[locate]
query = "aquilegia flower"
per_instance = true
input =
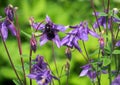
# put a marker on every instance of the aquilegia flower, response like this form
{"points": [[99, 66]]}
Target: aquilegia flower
{"points": [[102, 20], [40, 72], [116, 81], [88, 71], [7, 23], [49, 30], [79, 32]]}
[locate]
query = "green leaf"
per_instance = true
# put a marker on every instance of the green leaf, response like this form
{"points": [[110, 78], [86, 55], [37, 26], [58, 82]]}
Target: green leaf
{"points": [[26, 34], [17, 82], [116, 52], [103, 14], [107, 50], [24, 55], [116, 16], [94, 53], [106, 61], [19, 68]]}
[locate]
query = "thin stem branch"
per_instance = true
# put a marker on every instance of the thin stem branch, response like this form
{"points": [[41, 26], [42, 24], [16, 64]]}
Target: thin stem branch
{"points": [[84, 57], [117, 33], [103, 4], [108, 6], [112, 39], [53, 55], [30, 64], [20, 47], [11, 62], [92, 4], [85, 50]]}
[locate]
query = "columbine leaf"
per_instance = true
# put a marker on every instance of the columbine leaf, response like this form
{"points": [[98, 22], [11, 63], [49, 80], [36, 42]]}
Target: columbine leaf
{"points": [[17, 82], [106, 61], [116, 16], [116, 52], [26, 34], [103, 14], [94, 53], [107, 50]]}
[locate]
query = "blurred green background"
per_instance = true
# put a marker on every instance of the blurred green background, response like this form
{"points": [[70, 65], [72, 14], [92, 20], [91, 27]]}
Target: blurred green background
{"points": [[66, 12]]}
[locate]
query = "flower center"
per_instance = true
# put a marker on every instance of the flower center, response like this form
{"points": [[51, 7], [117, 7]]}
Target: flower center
{"points": [[49, 31]]}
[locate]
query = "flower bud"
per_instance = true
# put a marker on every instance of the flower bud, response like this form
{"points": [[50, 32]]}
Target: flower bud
{"points": [[115, 10], [33, 43], [101, 42], [68, 53]]}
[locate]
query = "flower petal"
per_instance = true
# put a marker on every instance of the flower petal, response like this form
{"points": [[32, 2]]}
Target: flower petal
{"points": [[94, 34], [4, 31], [43, 39], [38, 26], [84, 72], [11, 27], [118, 44], [69, 43], [83, 34], [57, 41], [92, 74], [75, 44], [48, 20], [61, 28], [115, 19], [64, 40], [32, 76]]}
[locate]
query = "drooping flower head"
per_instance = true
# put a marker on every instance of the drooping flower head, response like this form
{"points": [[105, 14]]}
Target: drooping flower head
{"points": [[39, 65], [79, 32], [88, 71], [40, 72], [9, 11], [49, 30], [7, 23], [102, 21]]}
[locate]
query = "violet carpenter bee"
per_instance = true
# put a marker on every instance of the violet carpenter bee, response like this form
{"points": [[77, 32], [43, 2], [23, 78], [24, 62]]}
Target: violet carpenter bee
{"points": [[49, 31]]}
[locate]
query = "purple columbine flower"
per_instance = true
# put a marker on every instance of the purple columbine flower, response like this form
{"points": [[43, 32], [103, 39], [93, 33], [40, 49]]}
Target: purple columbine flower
{"points": [[9, 11], [116, 81], [49, 30], [88, 71], [39, 65], [102, 21], [79, 32], [42, 78], [8, 24], [40, 72], [118, 44]]}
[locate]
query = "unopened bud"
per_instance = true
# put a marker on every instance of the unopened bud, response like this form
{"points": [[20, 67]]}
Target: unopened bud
{"points": [[115, 10], [67, 67], [101, 42], [68, 53], [33, 43], [31, 20]]}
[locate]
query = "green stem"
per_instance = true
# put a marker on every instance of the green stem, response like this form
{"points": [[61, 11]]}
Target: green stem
{"points": [[85, 50], [30, 59], [10, 59], [20, 47], [92, 4], [53, 55]]}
